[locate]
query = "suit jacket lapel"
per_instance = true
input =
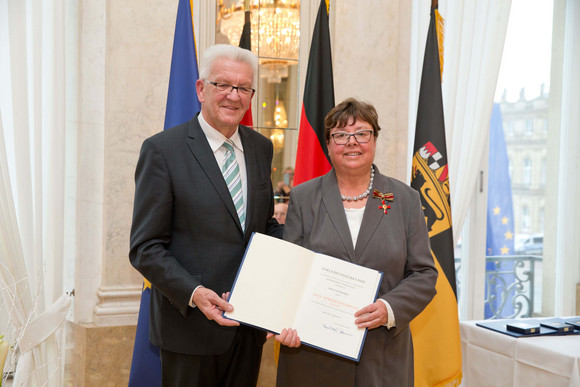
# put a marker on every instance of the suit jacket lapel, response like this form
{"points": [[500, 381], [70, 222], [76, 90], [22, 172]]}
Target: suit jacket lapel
{"points": [[251, 162], [200, 149], [335, 209], [372, 215]]}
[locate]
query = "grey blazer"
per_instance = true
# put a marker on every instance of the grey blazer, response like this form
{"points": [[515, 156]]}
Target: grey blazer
{"points": [[395, 243], [186, 231]]}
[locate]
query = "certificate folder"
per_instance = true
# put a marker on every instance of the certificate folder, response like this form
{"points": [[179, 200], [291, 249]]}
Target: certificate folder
{"points": [[282, 285]]}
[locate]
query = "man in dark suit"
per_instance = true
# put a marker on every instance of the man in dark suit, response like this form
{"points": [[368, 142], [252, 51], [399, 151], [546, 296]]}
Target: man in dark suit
{"points": [[190, 230]]}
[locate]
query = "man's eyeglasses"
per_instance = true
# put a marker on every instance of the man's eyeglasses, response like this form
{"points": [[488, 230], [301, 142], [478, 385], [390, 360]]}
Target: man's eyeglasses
{"points": [[227, 89], [342, 138]]}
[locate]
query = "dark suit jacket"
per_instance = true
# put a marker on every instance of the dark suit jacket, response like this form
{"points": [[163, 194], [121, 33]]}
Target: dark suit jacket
{"points": [[186, 231], [395, 243]]}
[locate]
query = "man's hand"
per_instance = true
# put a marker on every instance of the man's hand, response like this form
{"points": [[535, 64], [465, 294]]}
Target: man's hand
{"points": [[212, 306]]}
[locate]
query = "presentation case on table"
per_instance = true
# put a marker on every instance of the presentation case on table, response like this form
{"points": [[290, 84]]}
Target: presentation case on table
{"points": [[534, 327]]}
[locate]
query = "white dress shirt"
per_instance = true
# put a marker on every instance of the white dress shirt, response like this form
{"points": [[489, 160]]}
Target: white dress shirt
{"points": [[216, 139]]}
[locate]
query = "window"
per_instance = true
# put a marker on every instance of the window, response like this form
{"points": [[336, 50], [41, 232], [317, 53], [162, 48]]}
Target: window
{"points": [[543, 173], [509, 128], [525, 219], [527, 172], [529, 127], [519, 126], [549, 163]]}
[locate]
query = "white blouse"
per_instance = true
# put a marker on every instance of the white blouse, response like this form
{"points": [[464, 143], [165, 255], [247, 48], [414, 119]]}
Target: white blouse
{"points": [[354, 218]]}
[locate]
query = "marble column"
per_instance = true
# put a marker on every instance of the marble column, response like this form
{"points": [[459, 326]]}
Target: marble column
{"points": [[371, 47], [124, 54]]}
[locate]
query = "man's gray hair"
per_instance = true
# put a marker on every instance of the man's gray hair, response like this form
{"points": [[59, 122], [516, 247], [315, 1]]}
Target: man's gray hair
{"points": [[230, 52]]}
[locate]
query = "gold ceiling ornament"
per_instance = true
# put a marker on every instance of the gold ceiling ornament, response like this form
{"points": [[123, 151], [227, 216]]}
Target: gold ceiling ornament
{"points": [[275, 26]]}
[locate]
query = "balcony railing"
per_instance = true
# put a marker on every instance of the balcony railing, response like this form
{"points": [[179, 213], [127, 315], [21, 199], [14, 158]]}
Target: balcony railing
{"points": [[511, 283]]}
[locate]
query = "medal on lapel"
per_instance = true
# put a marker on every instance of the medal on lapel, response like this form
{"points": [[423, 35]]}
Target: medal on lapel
{"points": [[385, 197]]}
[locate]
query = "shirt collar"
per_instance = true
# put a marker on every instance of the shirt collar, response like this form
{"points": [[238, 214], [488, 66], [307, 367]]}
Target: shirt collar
{"points": [[215, 138]]}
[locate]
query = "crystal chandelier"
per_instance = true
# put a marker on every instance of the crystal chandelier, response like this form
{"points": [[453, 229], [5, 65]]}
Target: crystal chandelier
{"points": [[275, 26]]}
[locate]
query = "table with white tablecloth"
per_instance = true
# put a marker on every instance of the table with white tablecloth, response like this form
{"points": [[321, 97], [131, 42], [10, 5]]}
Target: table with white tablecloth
{"points": [[494, 359]]}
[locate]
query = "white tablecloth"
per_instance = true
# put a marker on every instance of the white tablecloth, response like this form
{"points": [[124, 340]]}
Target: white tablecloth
{"points": [[495, 359]]}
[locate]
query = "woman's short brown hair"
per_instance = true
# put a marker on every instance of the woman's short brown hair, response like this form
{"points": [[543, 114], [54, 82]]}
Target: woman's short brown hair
{"points": [[349, 111]]}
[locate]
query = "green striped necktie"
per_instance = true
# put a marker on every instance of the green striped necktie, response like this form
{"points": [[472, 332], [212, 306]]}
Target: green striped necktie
{"points": [[231, 172]]}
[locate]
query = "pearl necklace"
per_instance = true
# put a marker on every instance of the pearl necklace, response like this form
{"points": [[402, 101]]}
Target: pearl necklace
{"points": [[364, 194]]}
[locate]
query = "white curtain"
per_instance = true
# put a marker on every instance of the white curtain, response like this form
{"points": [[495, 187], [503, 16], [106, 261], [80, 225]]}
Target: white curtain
{"points": [[32, 185], [474, 38]]}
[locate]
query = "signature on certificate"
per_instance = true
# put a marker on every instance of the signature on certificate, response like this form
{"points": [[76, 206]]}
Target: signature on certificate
{"points": [[335, 329]]}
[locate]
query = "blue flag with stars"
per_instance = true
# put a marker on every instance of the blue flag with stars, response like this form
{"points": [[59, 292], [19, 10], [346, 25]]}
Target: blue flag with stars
{"points": [[500, 225], [182, 106]]}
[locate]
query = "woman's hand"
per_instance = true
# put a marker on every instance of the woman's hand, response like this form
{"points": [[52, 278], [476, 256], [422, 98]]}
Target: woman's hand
{"points": [[288, 337], [372, 316]]}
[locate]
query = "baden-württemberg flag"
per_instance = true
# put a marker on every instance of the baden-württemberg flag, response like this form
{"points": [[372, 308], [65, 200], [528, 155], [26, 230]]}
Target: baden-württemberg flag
{"points": [[182, 105], [436, 340], [312, 155], [500, 225]]}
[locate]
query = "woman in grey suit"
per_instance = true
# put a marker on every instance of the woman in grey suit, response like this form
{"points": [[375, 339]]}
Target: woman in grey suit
{"points": [[357, 214]]}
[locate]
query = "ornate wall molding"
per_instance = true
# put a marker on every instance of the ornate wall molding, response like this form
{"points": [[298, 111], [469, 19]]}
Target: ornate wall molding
{"points": [[118, 305]]}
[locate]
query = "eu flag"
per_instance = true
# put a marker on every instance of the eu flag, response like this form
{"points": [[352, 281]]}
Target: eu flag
{"points": [[146, 362], [182, 102], [182, 105], [500, 225]]}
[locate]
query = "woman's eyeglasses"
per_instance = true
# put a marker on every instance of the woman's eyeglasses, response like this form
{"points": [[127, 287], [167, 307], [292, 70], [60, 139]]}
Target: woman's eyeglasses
{"points": [[342, 138]]}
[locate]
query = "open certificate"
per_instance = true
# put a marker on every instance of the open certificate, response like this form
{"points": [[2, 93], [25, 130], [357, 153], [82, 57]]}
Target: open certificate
{"points": [[282, 285]]}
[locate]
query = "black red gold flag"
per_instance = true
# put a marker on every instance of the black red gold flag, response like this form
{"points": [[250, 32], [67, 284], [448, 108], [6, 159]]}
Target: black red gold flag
{"points": [[312, 154], [436, 340], [246, 42]]}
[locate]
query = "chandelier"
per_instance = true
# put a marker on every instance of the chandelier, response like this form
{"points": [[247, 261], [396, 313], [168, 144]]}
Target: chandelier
{"points": [[275, 32]]}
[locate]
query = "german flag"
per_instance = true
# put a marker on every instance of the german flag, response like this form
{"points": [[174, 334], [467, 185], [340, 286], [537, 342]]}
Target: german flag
{"points": [[312, 155], [246, 42], [437, 326]]}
